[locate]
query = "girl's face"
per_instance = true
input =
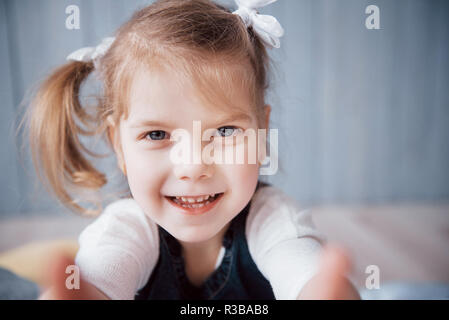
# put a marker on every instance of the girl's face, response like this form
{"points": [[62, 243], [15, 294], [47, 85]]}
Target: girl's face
{"points": [[158, 106]]}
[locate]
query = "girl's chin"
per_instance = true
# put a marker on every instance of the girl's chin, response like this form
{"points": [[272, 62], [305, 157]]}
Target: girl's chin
{"points": [[194, 234]]}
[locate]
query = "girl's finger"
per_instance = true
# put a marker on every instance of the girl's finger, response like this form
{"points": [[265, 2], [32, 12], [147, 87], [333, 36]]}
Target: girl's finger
{"points": [[64, 279], [334, 267]]}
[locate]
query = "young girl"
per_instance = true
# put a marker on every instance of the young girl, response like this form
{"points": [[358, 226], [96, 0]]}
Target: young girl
{"points": [[190, 230]]}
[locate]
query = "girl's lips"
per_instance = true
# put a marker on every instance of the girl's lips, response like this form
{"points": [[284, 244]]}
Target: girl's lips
{"points": [[196, 211]]}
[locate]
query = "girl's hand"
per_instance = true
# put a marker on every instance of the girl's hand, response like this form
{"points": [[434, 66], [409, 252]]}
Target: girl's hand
{"points": [[330, 282], [56, 283]]}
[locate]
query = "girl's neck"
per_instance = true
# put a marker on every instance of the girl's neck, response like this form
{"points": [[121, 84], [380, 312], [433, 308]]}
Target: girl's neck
{"points": [[211, 245], [200, 257]]}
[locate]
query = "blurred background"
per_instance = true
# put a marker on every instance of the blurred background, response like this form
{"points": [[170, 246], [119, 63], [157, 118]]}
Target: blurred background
{"points": [[363, 119]]}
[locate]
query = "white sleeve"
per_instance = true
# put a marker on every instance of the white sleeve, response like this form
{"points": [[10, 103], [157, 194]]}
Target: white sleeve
{"points": [[282, 241], [119, 250]]}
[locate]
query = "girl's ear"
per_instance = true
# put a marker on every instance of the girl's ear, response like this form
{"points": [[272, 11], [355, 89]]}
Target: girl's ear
{"points": [[113, 138], [111, 131], [267, 109], [267, 112]]}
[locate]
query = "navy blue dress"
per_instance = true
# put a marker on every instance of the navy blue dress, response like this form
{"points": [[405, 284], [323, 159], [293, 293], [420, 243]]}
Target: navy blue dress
{"points": [[237, 277]]}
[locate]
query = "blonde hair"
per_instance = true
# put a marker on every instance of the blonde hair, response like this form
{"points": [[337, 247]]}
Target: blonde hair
{"points": [[196, 39]]}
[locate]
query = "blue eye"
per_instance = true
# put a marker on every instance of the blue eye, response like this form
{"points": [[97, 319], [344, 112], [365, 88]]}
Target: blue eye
{"points": [[156, 135], [227, 131]]}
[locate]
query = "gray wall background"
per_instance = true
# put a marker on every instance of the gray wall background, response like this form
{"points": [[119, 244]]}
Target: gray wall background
{"points": [[363, 114]]}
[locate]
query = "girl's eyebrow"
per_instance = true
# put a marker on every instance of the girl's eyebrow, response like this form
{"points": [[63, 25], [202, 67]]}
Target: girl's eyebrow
{"points": [[149, 123], [155, 123], [235, 117]]}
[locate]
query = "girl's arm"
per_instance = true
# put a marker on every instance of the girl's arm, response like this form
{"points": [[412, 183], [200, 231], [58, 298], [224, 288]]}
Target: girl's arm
{"points": [[119, 250], [117, 254], [286, 247]]}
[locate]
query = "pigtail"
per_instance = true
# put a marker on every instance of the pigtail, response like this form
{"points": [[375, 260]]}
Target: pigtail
{"points": [[58, 155]]}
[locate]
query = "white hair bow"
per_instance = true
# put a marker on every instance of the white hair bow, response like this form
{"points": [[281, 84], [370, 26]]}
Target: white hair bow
{"points": [[92, 53], [267, 27]]}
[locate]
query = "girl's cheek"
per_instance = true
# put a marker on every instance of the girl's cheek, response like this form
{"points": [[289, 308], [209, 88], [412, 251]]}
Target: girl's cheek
{"points": [[145, 172], [242, 179]]}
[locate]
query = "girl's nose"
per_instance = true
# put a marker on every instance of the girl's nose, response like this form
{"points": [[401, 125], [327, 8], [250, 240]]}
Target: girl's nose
{"points": [[193, 172]]}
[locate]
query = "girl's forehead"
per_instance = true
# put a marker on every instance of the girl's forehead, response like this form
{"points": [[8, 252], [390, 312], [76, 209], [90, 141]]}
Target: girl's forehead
{"points": [[163, 92]]}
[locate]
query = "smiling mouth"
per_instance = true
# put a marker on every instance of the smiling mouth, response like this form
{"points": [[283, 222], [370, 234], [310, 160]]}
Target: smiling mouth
{"points": [[195, 205]]}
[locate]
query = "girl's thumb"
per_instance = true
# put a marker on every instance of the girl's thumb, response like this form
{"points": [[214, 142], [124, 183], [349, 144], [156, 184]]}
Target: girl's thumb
{"points": [[62, 276]]}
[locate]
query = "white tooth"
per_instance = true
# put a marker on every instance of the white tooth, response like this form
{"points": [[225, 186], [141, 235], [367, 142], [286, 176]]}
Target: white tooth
{"points": [[207, 202], [183, 199], [212, 195], [194, 205], [200, 205], [191, 200], [200, 199], [206, 197]]}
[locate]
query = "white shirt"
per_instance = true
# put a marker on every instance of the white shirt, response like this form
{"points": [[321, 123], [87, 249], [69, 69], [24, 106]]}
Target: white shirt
{"points": [[120, 249]]}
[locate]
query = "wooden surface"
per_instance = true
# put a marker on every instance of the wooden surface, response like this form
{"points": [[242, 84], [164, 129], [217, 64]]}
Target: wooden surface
{"points": [[408, 243]]}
